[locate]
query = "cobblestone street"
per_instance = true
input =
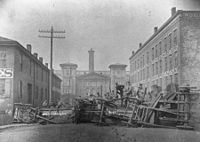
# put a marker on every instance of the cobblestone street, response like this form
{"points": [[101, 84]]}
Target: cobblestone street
{"points": [[91, 133]]}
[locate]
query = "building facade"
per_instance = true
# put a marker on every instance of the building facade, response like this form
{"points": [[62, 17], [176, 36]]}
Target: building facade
{"points": [[170, 55], [69, 78], [91, 81], [118, 75], [23, 79]]}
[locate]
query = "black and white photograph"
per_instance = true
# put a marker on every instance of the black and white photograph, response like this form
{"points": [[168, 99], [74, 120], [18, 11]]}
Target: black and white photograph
{"points": [[99, 70]]}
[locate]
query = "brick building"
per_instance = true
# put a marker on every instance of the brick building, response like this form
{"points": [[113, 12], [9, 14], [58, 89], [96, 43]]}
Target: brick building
{"points": [[23, 78], [171, 54]]}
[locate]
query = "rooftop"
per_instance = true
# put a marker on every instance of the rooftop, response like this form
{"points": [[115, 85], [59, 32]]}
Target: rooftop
{"points": [[68, 64], [117, 65], [91, 75], [160, 29], [5, 39]]}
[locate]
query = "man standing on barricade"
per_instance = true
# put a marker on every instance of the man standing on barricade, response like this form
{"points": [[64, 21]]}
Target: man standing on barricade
{"points": [[119, 92], [140, 92], [128, 92]]}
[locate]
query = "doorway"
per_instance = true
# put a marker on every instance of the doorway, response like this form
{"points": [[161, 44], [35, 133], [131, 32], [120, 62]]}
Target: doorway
{"points": [[29, 93]]}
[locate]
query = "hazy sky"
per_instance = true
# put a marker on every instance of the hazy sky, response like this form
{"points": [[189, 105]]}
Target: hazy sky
{"points": [[113, 28]]}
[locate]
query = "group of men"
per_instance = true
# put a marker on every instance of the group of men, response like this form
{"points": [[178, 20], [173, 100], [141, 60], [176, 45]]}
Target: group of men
{"points": [[128, 91], [124, 91]]}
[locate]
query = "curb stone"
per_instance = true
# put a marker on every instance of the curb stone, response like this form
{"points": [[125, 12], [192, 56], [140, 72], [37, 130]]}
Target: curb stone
{"points": [[3, 127]]}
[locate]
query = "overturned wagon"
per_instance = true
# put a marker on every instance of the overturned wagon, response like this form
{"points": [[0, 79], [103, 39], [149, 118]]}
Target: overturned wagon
{"points": [[101, 111], [25, 113]]}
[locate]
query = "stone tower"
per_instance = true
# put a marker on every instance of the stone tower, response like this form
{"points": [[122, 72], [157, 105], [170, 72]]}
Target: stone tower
{"points": [[91, 60]]}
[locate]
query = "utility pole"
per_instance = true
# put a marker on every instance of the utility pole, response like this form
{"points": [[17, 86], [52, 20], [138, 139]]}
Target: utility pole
{"points": [[52, 31]]}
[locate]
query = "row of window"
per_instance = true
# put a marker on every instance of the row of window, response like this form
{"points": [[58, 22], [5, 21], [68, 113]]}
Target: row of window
{"points": [[163, 65], [162, 47], [39, 93], [68, 72], [168, 43], [27, 66], [163, 82], [2, 58]]}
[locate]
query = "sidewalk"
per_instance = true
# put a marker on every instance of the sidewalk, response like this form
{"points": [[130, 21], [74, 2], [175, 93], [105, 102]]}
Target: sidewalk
{"points": [[15, 125]]}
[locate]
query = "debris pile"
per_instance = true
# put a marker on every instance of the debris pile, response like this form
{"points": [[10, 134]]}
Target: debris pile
{"points": [[25, 113], [170, 110], [138, 109]]}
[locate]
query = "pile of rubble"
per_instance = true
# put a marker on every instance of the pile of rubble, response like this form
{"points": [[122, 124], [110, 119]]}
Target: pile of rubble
{"points": [[172, 110], [25, 113]]}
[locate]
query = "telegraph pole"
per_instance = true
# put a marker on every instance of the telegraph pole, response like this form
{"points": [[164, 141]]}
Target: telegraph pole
{"points": [[52, 31]]}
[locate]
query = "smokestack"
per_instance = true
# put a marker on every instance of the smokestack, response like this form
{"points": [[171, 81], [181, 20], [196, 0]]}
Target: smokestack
{"points": [[133, 52], [155, 29], [41, 59], [28, 47], [35, 54], [173, 11], [46, 64], [91, 60], [140, 45]]}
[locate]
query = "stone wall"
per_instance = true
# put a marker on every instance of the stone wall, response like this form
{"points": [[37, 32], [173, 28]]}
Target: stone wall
{"points": [[190, 59]]}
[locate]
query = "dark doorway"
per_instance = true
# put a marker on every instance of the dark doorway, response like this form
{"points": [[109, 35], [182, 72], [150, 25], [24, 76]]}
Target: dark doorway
{"points": [[29, 93]]}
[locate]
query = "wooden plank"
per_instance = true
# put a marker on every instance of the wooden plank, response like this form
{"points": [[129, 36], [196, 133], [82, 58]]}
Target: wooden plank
{"points": [[154, 104], [43, 118], [174, 102], [133, 111], [155, 125], [146, 115], [161, 110], [101, 115]]}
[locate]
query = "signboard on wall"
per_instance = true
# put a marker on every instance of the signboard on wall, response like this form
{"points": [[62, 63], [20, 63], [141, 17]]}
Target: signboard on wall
{"points": [[6, 73]]}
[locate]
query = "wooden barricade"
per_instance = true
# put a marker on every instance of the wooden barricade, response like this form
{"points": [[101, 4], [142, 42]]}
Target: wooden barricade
{"points": [[177, 115]]}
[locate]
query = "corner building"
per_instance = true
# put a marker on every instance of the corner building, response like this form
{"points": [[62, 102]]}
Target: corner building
{"points": [[23, 78], [171, 54]]}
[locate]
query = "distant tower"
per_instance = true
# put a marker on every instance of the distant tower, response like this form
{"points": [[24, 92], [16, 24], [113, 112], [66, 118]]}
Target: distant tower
{"points": [[91, 60]]}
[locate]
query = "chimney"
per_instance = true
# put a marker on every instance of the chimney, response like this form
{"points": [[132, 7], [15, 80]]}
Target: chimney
{"points": [[140, 45], [133, 52], [41, 59], [35, 54], [46, 64], [173, 11], [155, 29], [91, 60], [28, 47]]}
